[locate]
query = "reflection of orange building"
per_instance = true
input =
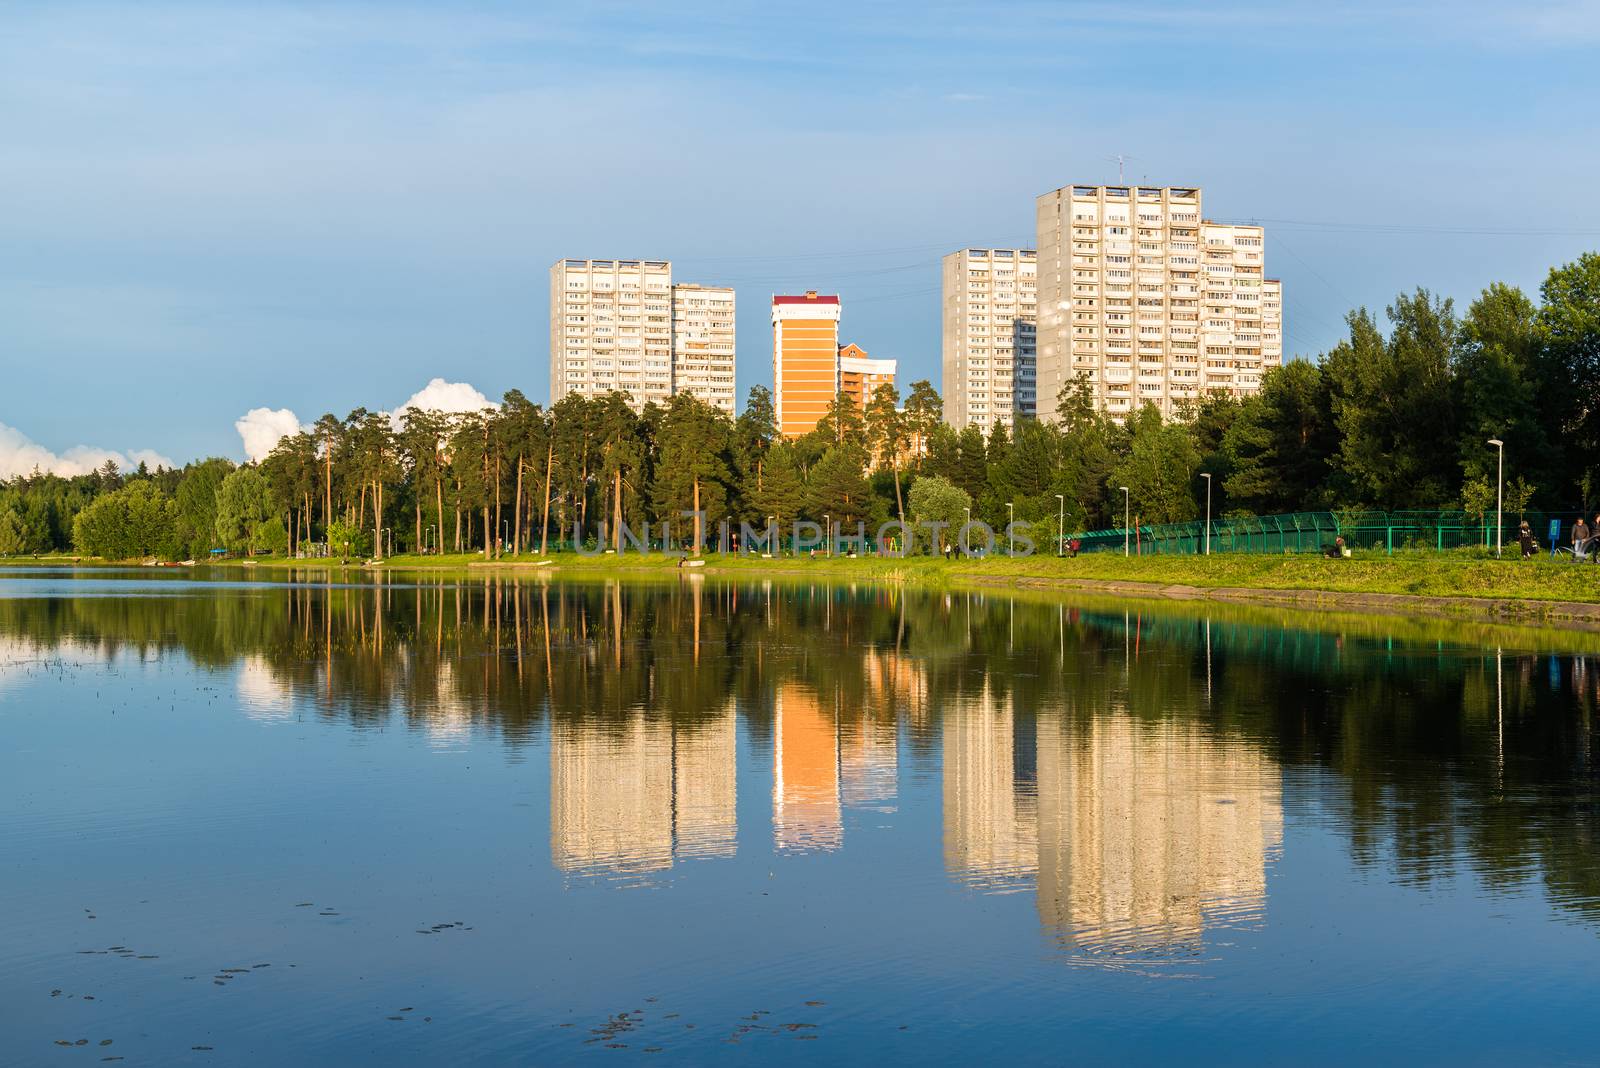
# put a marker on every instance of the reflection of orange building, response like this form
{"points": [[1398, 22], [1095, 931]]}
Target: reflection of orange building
{"points": [[805, 791], [860, 376], [805, 360]]}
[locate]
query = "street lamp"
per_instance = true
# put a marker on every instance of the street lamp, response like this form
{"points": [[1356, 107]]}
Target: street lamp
{"points": [[1125, 519], [389, 541], [1207, 476], [427, 536], [1499, 495], [1011, 522], [774, 544], [1061, 525], [827, 531]]}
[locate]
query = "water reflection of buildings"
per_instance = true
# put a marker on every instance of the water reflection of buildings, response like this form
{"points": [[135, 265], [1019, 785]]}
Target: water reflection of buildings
{"points": [[991, 813], [805, 789], [1133, 834], [827, 758], [634, 796]]}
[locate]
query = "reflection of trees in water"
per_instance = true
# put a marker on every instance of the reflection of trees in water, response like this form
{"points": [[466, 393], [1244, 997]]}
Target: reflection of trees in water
{"points": [[1440, 758]]}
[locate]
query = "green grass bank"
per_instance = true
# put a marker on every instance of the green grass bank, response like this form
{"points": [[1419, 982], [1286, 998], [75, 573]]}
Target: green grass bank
{"points": [[1463, 583]]}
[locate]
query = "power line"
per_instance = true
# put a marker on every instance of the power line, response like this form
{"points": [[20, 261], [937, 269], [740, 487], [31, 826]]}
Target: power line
{"points": [[1326, 226]]}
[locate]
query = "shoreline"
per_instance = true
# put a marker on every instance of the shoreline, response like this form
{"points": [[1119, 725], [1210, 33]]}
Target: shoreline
{"points": [[1303, 583], [1506, 609]]}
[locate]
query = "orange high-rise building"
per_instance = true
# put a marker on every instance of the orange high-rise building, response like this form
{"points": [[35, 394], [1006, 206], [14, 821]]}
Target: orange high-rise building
{"points": [[805, 360], [860, 376]]}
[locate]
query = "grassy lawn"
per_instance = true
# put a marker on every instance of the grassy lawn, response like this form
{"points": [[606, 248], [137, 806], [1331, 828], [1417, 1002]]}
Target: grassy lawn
{"points": [[1427, 574], [1466, 573]]}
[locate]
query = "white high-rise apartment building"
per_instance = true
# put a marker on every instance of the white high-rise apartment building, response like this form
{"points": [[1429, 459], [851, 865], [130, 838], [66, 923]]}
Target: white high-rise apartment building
{"points": [[702, 343], [990, 317], [1150, 300], [623, 325]]}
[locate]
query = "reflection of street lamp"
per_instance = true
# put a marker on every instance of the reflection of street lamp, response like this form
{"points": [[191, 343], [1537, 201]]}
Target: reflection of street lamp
{"points": [[1499, 495], [1124, 490], [1207, 476], [1011, 522], [1061, 525]]}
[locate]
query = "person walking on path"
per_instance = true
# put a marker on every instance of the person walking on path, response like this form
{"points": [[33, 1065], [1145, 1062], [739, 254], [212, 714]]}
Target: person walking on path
{"points": [[1525, 539]]}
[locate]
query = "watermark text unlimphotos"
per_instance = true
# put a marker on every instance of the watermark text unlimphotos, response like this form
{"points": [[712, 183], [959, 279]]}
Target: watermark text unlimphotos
{"points": [[973, 538]]}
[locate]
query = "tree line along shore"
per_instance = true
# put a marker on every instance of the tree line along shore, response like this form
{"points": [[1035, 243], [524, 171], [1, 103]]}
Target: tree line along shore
{"points": [[1395, 416]]}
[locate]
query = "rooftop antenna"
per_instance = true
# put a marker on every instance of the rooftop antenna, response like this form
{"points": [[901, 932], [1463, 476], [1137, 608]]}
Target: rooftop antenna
{"points": [[1121, 161]]}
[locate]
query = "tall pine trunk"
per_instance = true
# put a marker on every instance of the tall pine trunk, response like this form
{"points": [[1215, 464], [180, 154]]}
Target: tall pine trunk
{"points": [[544, 518], [516, 509], [616, 513], [697, 528], [438, 498]]}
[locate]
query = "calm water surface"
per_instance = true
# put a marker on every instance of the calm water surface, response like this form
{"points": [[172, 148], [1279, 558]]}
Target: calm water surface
{"points": [[316, 823]]}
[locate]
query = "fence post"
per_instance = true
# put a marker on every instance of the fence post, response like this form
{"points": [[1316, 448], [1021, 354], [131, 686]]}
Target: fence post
{"points": [[1389, 533]]}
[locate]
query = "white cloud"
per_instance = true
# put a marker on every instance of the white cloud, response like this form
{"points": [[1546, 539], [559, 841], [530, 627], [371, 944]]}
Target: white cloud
{"points": [[262, 428], [21, 456], [441, 396]]}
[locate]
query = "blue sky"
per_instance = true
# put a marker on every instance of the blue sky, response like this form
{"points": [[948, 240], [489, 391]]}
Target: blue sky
{"points": [[216, 207]]}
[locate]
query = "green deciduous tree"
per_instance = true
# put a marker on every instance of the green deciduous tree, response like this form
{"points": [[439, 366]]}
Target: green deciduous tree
{"points": [[132, 522], [935, 499], [243, 505], [1159, 469]]}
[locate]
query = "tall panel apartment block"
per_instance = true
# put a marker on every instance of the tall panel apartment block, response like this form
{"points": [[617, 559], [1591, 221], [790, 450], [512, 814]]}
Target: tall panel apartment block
{"points": [[1149, 301], [702, 343], [990, 317], [623, 325]]}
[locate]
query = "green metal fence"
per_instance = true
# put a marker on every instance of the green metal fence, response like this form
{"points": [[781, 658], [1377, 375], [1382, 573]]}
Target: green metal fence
{"points": [[1300, 532]]}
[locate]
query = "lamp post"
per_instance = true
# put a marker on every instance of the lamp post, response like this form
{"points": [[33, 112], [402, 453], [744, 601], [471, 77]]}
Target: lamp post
{"points": [[827, 531], [1499, 495], [1207, 476], [388, 537], [1125, 519], [1011, 522], [774, 545], [427, 536], [1061, 525]]}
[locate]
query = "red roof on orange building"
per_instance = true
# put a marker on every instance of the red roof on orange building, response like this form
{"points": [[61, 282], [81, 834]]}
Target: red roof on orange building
{"points": [[809, 298]]}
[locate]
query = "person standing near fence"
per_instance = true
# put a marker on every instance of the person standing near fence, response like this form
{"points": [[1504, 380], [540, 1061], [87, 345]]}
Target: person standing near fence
{"points": [[1580, 536]]}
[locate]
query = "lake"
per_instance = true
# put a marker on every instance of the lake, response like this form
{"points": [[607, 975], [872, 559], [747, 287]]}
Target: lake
{"points": [[320, 821]]}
